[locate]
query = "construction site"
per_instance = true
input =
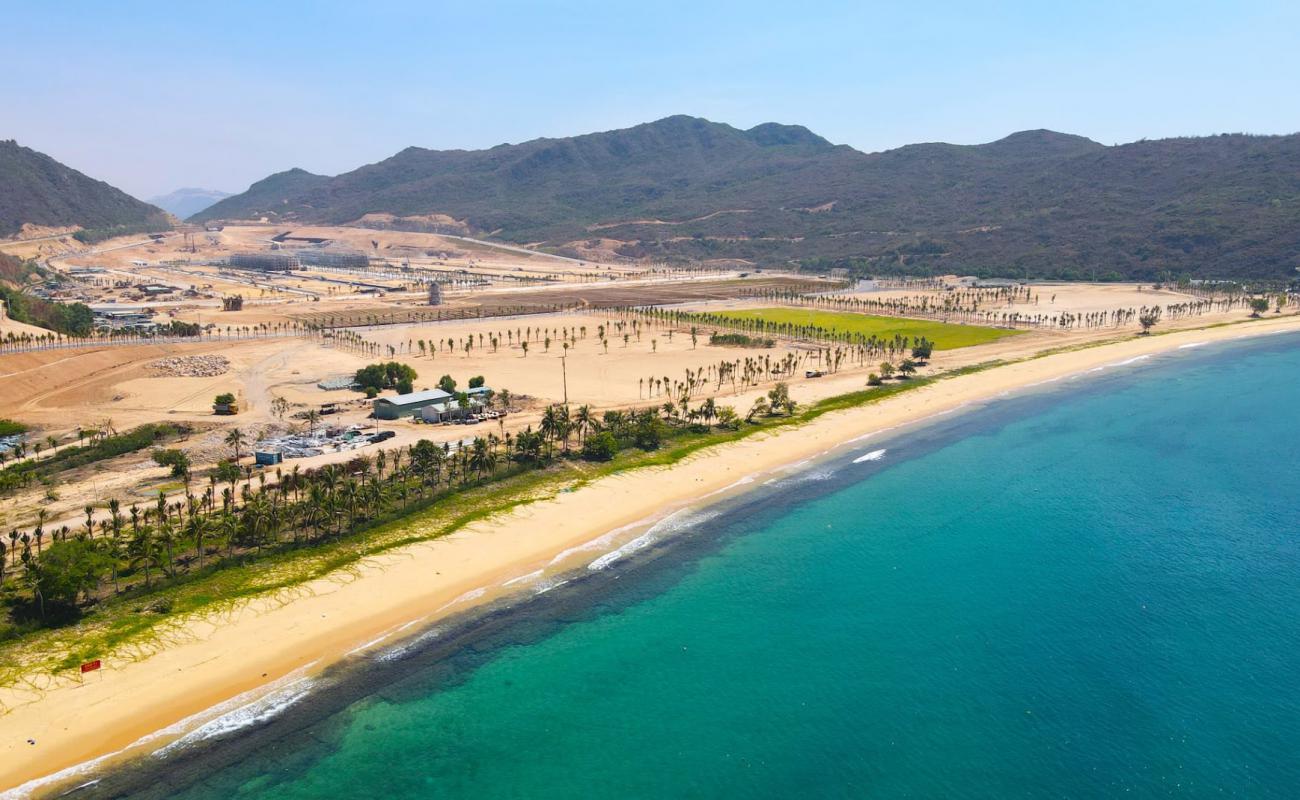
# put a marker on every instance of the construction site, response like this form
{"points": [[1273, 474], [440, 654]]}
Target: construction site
{"points": [[276, 323]]}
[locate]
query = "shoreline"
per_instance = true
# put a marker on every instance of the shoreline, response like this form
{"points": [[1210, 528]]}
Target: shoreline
{"points": [[267, 641]]}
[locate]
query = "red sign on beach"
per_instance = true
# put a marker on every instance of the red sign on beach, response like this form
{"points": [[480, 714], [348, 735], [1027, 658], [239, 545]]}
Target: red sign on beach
{"points": [[90, 666]]}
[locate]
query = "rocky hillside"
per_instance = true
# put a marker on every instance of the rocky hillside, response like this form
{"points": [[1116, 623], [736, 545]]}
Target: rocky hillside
{"points": [[37, 190]]}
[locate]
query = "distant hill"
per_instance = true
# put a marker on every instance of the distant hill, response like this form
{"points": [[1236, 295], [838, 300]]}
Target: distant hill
{"points": [[1036, 203], [188, 202], [35, 189]]}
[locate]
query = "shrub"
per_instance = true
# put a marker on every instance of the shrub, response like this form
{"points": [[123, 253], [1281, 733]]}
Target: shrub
{"points": [[67, 570], [176, 459], [600, 446], [385, 375]]}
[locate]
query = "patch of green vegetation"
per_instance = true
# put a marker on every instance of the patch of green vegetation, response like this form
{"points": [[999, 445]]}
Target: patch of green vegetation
{"points": [[100, 448], [96, 235], [9, 427], [386, 375], [73, 319], [945, 336], [740, 340], [41, 191]]}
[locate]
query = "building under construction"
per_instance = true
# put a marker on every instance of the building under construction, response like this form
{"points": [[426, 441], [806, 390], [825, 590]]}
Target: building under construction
{"points": [[339, 259], [265, 262]]}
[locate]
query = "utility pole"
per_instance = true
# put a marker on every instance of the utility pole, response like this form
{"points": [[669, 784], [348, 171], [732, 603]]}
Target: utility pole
{"points": [[564, 372]]}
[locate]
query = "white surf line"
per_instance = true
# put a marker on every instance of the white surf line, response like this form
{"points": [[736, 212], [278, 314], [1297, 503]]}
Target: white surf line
{"points": [[874, 455], [472, 594], [1126, 362], [748, 479], [527, 578], [635, 544], [262, 709], [606, 538], [180, 730], [388, 634], [401, 650]]}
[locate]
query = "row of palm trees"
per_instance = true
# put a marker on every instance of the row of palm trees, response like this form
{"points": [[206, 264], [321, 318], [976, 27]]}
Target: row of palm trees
{"points": [[19, 342], [239, 514]]}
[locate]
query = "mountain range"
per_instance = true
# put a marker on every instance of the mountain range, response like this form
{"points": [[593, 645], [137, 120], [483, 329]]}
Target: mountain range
{"points": [[37, 190], [188, 201], [1036, 203]]}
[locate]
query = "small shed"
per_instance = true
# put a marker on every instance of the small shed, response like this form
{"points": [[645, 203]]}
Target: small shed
{"points": [[267, 458]]}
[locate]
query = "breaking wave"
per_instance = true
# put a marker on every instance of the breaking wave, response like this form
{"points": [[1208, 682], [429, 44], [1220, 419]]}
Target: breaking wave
{"points": [[874, 455]]}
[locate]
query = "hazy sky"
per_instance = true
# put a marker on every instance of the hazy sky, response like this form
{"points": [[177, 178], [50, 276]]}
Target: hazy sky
{"points": [[154, 96]]}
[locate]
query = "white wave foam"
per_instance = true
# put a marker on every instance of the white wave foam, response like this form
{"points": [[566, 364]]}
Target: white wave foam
{"points": [[1190, 345], [595, 544], [529, 578], [807, 477], [472, 594], [1127, 361], [742, 482], [549, 585], [673, 523], [1046, 381], [874, 455], [639, 543], [264, 708], [225, 708], [369, 644], [406, 648]]}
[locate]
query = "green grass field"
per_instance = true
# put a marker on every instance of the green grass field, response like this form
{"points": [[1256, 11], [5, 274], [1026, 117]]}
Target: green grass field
{"points": [[944, 335]]}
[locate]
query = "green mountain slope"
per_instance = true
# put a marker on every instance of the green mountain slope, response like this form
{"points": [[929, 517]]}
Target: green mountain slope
{"points": [[1036, 203], [36, 189]]}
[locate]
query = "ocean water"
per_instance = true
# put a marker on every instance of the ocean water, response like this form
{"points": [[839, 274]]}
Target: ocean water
{"points": [[1077, 595]]}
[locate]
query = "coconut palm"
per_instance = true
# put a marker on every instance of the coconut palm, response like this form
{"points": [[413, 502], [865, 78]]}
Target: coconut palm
{"points": [[235, 438]]}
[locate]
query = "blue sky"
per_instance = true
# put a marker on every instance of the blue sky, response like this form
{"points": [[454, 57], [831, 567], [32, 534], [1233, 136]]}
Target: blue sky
{"points": [[154, 96]]}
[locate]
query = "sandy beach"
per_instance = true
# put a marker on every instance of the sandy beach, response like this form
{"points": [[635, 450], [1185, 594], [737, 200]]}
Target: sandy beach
{"points": [[213, 659]]}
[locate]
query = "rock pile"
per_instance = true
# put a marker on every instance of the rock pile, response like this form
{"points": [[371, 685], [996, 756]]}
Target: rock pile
{"points": [[190, 367]]}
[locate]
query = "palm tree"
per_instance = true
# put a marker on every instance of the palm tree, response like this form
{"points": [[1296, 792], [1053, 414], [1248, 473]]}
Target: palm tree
{"points": [[143, 553], [236, 440], [584, 418], [197, 528]]}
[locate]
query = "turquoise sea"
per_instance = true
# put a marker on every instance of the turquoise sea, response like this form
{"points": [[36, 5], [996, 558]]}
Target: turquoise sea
{"points": [[1061, 595]]}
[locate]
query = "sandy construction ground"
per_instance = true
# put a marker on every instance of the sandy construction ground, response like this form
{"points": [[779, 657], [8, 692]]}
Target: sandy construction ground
{"points": [[598, 376], [73, 723], [61, 390], [8, 326]]}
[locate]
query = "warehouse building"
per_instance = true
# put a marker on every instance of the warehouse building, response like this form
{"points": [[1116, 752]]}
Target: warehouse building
{"points": [[408, 405]]}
